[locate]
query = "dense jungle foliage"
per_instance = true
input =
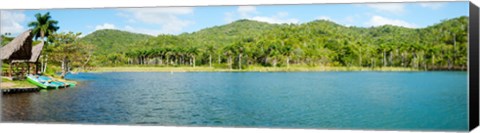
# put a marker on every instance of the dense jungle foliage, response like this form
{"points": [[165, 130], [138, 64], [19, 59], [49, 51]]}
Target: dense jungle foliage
{"points": [[318, 43]]}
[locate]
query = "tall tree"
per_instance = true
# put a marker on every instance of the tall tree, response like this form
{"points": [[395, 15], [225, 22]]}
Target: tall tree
{"points": [[68, 51], [43, 27]]}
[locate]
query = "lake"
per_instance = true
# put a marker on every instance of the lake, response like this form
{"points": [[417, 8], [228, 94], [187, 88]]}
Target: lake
{"points": [[321, 100]]}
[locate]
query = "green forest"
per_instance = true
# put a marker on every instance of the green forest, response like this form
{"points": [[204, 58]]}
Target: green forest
{"points": [[247, 43]]}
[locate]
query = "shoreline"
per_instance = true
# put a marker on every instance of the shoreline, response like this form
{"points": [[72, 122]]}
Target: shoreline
{"points": [[250, 69], [24, 84]]}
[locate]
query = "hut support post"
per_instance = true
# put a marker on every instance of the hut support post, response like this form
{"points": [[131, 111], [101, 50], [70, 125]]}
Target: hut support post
{"points": [[36, 69], [42, 62], [29, 68], [10, 69]]}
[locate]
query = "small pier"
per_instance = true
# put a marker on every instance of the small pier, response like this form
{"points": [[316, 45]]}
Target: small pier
{"points": [[19, 90]]}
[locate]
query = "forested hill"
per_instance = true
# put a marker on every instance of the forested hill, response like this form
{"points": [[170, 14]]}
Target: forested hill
{"points": [[236, 30], [110, 40], [317, 43]]}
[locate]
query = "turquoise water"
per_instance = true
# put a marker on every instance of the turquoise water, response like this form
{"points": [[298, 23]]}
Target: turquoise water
{"points": [[324, 100]]}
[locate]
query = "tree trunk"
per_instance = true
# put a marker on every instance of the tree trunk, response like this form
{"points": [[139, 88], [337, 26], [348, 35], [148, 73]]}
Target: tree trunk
{"points": [[454, 50], [210, 60], [390, 58], [384, 59], [42, 59], [449, 64], [193, 61], [161, 60], [46, 62], [288, 61], [42, 36], [167, 61], [433, 60], [372, 65], [64, 67], [86, 62], [240, 61], [230, 62], [415, 60], [274, 62], [403, 59]]}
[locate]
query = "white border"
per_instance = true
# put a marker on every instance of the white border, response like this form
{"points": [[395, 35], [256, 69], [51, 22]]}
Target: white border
{"points": [[74, 128], [42, 4]]}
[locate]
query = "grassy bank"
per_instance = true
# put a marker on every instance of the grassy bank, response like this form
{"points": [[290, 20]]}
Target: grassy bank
{"points": [[249, 69], [7, 84]]}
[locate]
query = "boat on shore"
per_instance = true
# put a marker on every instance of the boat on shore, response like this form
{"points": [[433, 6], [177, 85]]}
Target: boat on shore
{"points": [[45, 82]]}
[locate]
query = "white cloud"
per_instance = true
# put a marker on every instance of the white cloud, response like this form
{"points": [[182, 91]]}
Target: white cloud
{"points": [[105, 26], [280, 17], [346, 21], [274, 20], [324, 18], [433, 6], [167, 18], [379, 20], [152, 32], [11, 22], [396, 8], [245, 11], [249, 12]]}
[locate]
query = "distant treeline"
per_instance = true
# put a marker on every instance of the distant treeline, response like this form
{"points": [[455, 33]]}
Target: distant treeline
{"points": [[318, 43]]}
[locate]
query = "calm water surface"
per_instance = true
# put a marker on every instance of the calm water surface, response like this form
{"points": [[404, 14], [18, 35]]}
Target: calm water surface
{"points": [[332, 100]]}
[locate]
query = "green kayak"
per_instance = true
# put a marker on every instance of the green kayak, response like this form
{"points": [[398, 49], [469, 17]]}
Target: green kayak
{"points": [[45, 82]]}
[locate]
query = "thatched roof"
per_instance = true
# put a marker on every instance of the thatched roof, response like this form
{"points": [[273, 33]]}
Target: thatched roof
{"points": [[36, 52], [19, 48]]}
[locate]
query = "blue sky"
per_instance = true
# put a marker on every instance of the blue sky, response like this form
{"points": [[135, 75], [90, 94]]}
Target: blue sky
{"points": [[176, 20]]}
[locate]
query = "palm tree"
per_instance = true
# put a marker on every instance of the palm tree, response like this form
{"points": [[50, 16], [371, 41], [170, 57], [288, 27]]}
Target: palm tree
{"points": [[287, 50], [210, 49], [43, 27], [229, 51], [238, 49], [192, 51]]}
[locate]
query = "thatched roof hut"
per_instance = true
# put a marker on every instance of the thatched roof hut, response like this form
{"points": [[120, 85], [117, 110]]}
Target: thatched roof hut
{"points": [[36, 52], [19, 48]]}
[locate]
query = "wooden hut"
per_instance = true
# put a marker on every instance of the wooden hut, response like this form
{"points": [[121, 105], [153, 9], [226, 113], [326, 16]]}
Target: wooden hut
{"points": [[20, 48], [33, 62]]}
